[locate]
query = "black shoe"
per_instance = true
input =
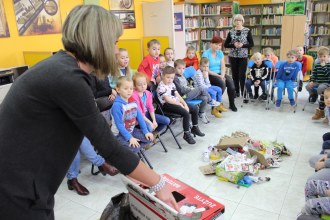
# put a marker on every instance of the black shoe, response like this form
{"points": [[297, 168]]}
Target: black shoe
{"points": [[250, 95], [73, 184], [300, 86], [245, 101], [256, 96], [313, 98], [263, 96], [237, 94], [187, 137], [233, 108], [195, 131]]}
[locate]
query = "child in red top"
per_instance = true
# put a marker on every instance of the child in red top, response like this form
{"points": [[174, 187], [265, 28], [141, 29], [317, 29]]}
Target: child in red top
{"points": [[150, 63], [303, 60], [191, 58]]}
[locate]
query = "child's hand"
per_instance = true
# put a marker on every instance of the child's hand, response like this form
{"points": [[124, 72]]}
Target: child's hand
{"points": [[204, 74], [310, 84], [149, 136], [134, 142], [319, 165], [154, 125], [151, 125]]}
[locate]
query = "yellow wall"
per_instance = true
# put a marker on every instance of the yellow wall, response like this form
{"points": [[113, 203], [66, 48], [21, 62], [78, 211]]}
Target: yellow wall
{"points": [[12, 48], [252, 2]]}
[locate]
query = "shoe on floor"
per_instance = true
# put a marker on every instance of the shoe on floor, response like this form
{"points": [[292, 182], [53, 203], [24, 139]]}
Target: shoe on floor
{"points": [[106, 168], [204, 118], [213, 103], [292, 102], [233, 108], [73, 184], [278, 103], [312, 98], [221, 108], [318, 114], [195, 131], [237, 94], [187, 137], [216, 113], [256, 96], [263, 96], [325, 120], [245, 101]]}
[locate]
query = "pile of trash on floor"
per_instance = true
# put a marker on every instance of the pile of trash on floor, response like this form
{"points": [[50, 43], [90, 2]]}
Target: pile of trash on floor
{"points": [[238, 158]]}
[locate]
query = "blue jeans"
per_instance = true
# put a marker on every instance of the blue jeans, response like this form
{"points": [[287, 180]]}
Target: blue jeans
{"points": [[249, 83], [281, 85], [161, 120], [88, 150], [215, 93]]}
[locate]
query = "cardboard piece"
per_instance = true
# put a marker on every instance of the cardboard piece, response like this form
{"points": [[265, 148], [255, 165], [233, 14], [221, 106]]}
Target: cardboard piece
{"points": [[193, 203], [260, 157], [231, 142], [207, 169]]}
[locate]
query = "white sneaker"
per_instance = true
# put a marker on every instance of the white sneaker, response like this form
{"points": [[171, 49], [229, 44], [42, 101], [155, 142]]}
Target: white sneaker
{"points": [[213, 103], [204, 118]]}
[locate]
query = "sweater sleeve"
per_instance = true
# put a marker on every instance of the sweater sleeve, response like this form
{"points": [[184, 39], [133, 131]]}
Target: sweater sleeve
{"points": [[103, 88], [280, 72], [250, 41], [178, 86], [228, 43], [117, 113], [85, 115], [143, 66], [150, 106]]}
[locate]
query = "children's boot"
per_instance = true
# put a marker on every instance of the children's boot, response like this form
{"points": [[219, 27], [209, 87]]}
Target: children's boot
{"points": [[325, 120], [221, 108], [195, 131], [318, 114], [216, 113], [187, 137]]}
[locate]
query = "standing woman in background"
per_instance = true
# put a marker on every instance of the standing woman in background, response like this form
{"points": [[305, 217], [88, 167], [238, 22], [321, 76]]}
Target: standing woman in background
{"points": [[50, 108], [239, 40]]}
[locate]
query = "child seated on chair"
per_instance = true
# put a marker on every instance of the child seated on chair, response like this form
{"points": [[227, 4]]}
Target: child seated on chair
{"points": [[257, 77], [320, 78], [150, 63], [286, 76], [191, 58], [126, 115], [123, 67], [201, 80], [169, 56], [190, 93], [172, 102], [143, 98], [303, 60]]}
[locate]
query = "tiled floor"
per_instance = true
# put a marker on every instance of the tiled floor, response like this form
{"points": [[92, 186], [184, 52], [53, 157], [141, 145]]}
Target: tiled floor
{"points": [[281, 198]]}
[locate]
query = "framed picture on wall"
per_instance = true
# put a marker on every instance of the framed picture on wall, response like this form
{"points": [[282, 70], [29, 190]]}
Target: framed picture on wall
{"points": [[124, 10], [294, 8], [4, 30], [37, 17]]}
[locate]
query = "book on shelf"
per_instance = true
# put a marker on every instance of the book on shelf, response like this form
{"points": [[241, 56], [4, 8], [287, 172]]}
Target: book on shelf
{"points": [[275, 9], [190, 10], [321, 7], [192, 23], [250, 11], [272, 20]]}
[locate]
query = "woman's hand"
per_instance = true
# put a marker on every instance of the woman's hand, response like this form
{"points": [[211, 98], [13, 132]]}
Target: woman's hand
{"points": [[149, 136], [134, 142], [238, 44], [166, 196], [222, 77], [111, 97]]}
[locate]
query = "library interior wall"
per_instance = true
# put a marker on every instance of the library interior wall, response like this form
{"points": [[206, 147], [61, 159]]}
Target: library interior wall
{"points": [[12, 47]]}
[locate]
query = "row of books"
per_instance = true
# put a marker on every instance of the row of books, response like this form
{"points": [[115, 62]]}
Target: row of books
{"points": [[319, 41], [270, 41], [320, 19], [208, 34], [252, 21], [250, 11], [272, 19], [273, 10], [324, 30], [210, 9], [221, 22], [191, 35], [191, 10], [272, 31], [192, 22], [322, 7]]}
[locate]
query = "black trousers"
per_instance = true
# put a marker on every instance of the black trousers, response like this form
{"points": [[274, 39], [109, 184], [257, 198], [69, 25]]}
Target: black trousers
{"points": [[193, 110], [238, 67], [229, 83]]}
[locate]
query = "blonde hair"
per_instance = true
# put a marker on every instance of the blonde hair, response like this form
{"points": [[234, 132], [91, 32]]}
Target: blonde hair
{"points": [[139, 75], [152, 42], [123, 79], [203, 61], [238, 17], [90, 33], [190, 48], [268, 50], [323, 51], [166, 51], [179, 62], [291, 53], [127, 69], [256, 55]]}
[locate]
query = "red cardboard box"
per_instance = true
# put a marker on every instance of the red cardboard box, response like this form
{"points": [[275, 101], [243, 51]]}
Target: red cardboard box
{"points": [[193, 203]]}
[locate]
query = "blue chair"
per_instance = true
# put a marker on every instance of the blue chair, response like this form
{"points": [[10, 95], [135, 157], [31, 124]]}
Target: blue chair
{"points": [[188, 74]]}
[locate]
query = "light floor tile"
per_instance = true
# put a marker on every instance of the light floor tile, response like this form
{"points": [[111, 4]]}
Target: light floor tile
{"points": [[74, 211], [250, 213]]}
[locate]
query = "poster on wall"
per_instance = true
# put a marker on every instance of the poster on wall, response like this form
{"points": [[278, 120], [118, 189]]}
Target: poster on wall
{"points": [[294, 8], [36, 17], [4, 30], [124, 10], [178, 21]]}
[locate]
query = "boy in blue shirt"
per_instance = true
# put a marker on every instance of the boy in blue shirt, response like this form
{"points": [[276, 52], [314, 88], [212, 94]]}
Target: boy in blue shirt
{"points": [[286, 77], [126, 116]]}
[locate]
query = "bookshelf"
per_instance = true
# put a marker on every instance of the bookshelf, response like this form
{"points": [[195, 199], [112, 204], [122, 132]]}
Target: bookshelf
{"points": [[201, 22], [320, 23], [265, 23]]}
